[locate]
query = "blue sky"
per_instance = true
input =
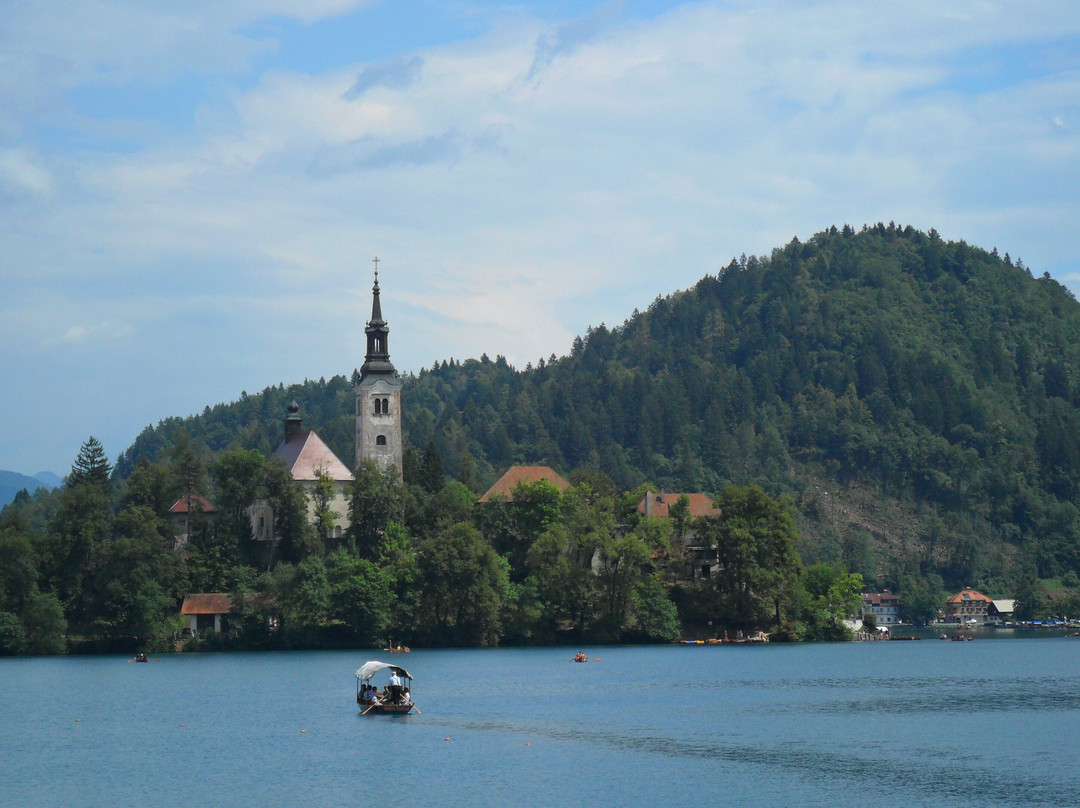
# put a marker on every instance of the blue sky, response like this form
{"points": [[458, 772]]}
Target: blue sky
{"points": [[191, 193]]}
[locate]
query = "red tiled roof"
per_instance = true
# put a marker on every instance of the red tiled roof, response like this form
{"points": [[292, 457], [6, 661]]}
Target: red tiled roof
{"points": [[304, 452], [207, 603], [516, 475], [700, 504], [968, 595], [199, 504], [878, 598]]}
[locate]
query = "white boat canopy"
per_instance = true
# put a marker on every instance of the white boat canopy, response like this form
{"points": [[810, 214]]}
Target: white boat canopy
{"points": [[369, 669]]}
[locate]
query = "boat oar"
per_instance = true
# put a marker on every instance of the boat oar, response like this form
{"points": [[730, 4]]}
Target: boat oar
{"points": [[417, 710], [369, 709]]}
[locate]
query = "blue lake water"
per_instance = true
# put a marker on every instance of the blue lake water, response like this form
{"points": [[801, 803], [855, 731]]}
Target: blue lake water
{"points": [[988, 723]]}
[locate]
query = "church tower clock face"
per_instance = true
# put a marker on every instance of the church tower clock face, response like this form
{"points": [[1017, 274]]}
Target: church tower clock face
{"points": [[378, 394]]}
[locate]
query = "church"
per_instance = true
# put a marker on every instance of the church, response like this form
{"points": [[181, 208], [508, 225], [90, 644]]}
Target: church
{"points": [[378, 431]]}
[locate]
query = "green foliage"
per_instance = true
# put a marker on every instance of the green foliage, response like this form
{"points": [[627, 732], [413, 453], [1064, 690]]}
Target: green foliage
{"points": [[360, 597], [464, 588], [46, 627], [655, 617], [758, 564], [79, 526], [305, 603], [12, 635], [376, 498], [288, 508], [91, 466], [921, 598], [134, 582], [321, 495]]}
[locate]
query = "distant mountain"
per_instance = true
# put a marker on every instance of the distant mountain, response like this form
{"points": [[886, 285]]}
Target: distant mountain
{"points": [[12, 482], [48, 479]]}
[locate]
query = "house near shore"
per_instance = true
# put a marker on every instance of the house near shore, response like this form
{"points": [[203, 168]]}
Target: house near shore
{"points": [[1000, 612], [884, 606], [700, 560], [967, 606]]}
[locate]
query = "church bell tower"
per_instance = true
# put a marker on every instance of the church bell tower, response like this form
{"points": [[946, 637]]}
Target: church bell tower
{"points": [[378, 394]]}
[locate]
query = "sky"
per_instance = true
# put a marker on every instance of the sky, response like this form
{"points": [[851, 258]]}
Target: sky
{"points": [[191, 194]]}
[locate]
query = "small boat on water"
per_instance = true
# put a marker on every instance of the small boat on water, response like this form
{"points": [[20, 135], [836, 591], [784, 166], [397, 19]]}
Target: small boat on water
{"points": [[395, 697], [963, 635], [141, 657], [580, 657]]}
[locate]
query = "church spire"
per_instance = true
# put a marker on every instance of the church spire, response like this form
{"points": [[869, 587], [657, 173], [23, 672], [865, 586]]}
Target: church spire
{"points": [[376, 308], [377, 359]]}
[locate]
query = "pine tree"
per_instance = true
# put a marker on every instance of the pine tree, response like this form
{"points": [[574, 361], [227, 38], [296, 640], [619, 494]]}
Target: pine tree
{"points": [[91, 466]]}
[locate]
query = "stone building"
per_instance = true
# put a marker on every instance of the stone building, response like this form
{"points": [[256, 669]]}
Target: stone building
{"points": [[306, 455]]}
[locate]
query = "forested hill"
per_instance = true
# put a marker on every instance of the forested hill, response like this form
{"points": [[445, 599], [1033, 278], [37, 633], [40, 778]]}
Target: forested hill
{"points": [[918, 398]]}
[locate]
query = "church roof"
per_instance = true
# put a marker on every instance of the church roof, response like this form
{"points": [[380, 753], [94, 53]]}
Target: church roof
{"points": [[305, 452], [516, 475]]}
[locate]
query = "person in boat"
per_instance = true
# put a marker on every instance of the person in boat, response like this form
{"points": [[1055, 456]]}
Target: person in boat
{"points": [[394, 688]]}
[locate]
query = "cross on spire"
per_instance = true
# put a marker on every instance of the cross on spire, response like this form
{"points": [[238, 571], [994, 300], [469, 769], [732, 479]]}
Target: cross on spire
{"points": [[375, 261]]}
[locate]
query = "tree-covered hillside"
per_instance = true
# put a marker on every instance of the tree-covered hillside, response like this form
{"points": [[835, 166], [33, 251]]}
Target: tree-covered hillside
{"points": [[917, 398]]}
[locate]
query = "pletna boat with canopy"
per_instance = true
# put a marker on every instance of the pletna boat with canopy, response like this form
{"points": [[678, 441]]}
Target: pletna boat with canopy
{"points": [[395, 697]]}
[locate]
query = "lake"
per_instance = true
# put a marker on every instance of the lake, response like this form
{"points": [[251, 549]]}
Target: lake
{"points": [[927, 723]]}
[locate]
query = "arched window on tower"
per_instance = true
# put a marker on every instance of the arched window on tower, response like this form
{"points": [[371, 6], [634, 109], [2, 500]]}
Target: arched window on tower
{"points": [[380, 440], [378, 406], [386, 406]]}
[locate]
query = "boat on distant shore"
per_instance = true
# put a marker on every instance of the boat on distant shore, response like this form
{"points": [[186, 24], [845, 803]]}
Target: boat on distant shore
{"points": [[395, 697]]}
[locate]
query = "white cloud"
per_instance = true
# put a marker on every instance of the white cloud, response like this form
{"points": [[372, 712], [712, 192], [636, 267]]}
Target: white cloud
{"points": [[99, 332], [20, 170]]}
